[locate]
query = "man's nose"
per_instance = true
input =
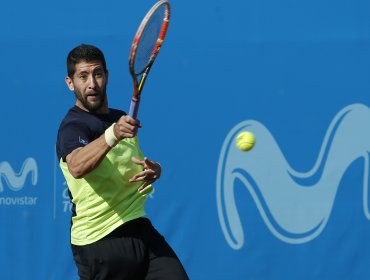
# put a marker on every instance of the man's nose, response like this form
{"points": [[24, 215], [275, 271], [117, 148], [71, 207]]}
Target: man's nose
{"points": [[92, 82]]}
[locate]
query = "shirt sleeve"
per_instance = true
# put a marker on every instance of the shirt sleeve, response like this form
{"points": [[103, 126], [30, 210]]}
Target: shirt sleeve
{"points": [[72, 135]]}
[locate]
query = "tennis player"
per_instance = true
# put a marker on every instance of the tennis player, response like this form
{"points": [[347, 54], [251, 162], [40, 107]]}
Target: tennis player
{"points": [[109, 180]]}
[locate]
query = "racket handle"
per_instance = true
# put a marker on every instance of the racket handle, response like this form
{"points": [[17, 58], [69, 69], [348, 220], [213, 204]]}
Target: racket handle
{"points": [[134, 107]]}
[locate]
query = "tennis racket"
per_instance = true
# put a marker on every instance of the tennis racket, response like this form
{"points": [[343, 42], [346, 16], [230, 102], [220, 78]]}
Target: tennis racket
{"points": [[145, 48]]}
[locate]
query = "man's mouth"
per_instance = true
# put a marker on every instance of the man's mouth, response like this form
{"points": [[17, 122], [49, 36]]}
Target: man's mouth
{"points": [[93, 94]]}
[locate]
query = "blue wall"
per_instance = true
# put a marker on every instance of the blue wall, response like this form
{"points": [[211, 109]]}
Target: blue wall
{"points": [[295, 73]]}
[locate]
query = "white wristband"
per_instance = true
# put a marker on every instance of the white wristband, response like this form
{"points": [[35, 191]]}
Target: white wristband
{"points": [[110, 138]]}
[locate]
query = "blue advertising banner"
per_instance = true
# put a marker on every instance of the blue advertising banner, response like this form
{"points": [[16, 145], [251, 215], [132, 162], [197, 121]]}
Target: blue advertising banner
{"points": [[294, 73]]}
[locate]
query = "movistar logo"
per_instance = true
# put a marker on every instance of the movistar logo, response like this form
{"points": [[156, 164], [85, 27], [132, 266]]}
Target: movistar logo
{"points": [[295, 206], [16, 180]]}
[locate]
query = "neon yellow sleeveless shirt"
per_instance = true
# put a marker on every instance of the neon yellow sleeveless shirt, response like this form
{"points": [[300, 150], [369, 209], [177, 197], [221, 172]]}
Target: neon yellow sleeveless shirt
{"points": [[104, 198]]}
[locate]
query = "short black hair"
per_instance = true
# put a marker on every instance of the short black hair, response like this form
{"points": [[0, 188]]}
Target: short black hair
{"points": [[85, 53]]}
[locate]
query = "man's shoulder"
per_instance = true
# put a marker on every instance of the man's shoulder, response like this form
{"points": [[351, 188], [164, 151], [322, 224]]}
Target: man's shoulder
{"points": [[74, 116]]}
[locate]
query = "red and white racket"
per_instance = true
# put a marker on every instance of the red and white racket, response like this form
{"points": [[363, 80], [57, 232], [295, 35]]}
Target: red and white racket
{"points": [[145, 48]]}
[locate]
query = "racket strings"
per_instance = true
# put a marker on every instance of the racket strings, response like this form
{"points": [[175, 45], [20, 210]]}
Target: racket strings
{"points": [[151, 39]]}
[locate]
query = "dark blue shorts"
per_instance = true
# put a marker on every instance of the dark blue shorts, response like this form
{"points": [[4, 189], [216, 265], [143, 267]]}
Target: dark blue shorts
{"points": [[134, 251]]}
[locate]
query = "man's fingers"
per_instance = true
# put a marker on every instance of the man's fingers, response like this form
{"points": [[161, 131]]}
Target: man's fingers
{"points": [[143, 186], [138, 177], [144, 175], [126, 127], [137, 161], [131, 121]]}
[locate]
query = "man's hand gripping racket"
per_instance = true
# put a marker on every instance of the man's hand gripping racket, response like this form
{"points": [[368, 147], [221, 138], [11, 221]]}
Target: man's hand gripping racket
{"points": [[145, 48]]}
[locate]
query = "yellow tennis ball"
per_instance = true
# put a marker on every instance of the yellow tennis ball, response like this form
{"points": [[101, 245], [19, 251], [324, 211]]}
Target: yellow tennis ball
{"points": [[245, 141]]}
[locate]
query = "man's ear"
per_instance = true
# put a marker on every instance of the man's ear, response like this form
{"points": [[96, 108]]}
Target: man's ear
{"points": [[69, 83]]}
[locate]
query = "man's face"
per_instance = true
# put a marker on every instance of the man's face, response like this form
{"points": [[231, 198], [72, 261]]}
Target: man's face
{"points": [[89, 84]]}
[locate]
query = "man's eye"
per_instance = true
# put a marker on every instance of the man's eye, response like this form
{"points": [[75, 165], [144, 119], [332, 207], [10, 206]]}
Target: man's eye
{"points": [[98, 74], [83, 77]]}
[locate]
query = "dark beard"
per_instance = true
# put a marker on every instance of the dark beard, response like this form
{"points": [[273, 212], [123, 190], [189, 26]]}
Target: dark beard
{"points": [[91, 107]]}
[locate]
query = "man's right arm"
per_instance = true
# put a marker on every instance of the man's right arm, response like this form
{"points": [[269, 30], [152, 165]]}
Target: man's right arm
{"points": [[83, 160]]}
